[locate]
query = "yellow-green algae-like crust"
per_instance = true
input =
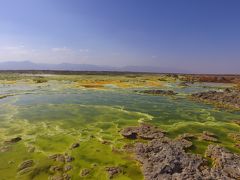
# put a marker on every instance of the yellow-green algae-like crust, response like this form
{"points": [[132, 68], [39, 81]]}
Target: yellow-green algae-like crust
{"points": [[51, 112]]}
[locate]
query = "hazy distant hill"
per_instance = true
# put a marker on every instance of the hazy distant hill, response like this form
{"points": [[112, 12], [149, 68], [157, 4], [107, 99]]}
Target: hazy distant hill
{"points": [[28, 65]]}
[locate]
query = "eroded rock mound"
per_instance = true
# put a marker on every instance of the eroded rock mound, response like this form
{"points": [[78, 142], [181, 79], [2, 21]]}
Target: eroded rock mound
{"points": [[157, 92], [13, 140], [61, 158], [112, 171], [25, 167], [60, 177], [74, 145], [144, 132], [226, 165], [60, 171], [166, 159], [208, 136], [186, 136], [84, 172], [26, 164], [227, 98], [217, 78]]}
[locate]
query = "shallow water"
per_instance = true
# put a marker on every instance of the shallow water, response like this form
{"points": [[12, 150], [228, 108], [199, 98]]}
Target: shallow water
{"points": [[53, 115]]}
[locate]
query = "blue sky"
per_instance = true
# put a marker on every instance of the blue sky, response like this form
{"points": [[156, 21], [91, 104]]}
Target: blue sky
{"points": [[194, 35]]}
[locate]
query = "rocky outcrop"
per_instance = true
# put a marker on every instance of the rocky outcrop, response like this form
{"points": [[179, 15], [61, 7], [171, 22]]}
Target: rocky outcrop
{"points": [[60, 172], [67, 168], [13, 140], [55, 169], [226, 165], [208, 136], [63, 176], [157, 92], [7, 145], [84, 172], [25, 164], [144, 132], [164, 158], [217, 78], [74, 145], [227, 98], [106, 142], [186, 136], [25, 167], [61, 158], [112, 171]]}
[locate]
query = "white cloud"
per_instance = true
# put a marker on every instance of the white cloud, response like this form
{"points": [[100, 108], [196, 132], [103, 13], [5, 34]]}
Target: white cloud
{"points": [[61, 49], [84, 50], [51, 55], [12, 47]]}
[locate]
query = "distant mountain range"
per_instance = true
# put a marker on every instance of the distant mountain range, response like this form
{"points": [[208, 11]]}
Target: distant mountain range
{"points": [[28, 65]]}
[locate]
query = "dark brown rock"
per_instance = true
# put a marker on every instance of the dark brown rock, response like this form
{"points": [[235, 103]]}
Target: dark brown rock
{"points": [[129, 132], [55, 169], [75, 145], [25, 164], [69, 158], [144, 132], [237, 145], [157, 92], [84, 172], [216, 78], [13, 140], [112, 171], [227, 98], [106, 142]]}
